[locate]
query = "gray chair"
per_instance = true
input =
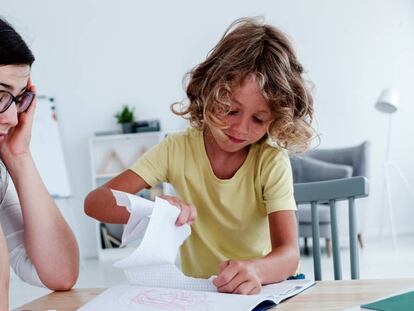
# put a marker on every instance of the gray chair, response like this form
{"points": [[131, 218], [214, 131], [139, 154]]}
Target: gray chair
{"points": [[333, 191], [328, 164]]}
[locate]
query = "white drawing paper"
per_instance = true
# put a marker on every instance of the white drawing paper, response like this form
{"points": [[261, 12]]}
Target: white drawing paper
{"points": [[138, 298]]}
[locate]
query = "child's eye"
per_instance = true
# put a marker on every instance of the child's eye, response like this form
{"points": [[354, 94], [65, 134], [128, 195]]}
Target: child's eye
{"points": [[232, 112], [257, 120]]}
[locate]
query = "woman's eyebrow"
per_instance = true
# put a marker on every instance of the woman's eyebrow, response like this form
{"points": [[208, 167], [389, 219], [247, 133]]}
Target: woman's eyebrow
{"points": [[9, 87]]}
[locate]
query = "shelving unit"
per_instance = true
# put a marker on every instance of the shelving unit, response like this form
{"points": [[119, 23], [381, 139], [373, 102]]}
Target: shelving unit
{"points": [[110, 155]]}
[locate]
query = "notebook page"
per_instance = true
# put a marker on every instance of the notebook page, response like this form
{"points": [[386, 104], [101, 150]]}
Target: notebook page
{"points": [[283, 290], [135, 298]]}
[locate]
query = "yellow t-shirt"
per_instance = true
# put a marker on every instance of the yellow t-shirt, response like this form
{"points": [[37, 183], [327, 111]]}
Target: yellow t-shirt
{"points": [[232, 220]]}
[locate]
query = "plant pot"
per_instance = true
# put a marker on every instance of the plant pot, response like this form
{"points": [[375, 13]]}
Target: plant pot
{"points": [[128, 128]]}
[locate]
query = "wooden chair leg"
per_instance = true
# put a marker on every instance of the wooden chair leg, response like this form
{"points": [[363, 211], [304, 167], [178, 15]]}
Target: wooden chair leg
{"points": [[328, 243], [360, 240]]}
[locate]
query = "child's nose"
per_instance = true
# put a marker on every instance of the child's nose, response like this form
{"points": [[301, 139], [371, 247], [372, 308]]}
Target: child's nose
{"points": [[242, 126]]}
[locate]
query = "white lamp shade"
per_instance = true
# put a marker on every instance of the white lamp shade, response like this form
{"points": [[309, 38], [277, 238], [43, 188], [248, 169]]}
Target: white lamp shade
{"points": [[388, 101]]}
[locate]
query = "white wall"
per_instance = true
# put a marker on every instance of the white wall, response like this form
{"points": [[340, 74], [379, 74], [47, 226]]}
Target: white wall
{"points": [[93, 56]]}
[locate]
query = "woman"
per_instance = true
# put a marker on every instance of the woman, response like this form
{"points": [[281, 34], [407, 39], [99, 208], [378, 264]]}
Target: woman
{"points": [[34, 237]]}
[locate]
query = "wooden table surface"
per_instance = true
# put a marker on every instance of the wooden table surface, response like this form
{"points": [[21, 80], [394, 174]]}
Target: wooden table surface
{"points": [[324, 295]]}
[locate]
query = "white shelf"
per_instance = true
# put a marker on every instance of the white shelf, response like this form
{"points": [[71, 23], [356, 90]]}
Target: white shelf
{"points": [[117, 137], [110, 155], [106, 175]]}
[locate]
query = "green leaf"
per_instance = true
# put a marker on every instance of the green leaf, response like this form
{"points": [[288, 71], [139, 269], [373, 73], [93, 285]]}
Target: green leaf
{"points": [[126, 115]]}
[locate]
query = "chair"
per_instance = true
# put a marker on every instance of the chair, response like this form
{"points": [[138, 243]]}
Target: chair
{"points": [[328, 164], [333, 191]]}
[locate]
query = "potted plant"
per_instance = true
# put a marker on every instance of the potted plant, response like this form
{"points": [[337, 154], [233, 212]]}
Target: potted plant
{"points": [[126, 118]]}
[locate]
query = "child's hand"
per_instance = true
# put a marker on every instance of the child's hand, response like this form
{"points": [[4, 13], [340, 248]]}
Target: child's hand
{"points": [[238, 277], [188, 212]]}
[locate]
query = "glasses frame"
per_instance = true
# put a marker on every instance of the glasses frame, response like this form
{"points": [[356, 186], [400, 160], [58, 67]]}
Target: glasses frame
{"points": [[16, 99]]}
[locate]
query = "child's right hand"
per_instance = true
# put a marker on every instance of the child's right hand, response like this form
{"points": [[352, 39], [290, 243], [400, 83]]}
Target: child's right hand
{"points": [[188, 212]]}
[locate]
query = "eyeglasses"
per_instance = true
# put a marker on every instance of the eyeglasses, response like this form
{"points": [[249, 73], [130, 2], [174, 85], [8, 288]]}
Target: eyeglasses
{"points": [[22, 101]]}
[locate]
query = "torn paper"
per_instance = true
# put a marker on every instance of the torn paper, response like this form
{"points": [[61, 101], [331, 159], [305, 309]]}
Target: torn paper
{"points": [[152, 263], [140, 210]]}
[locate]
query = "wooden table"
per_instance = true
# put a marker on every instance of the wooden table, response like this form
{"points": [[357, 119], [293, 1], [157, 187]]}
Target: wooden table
{"points": [[325, 295]]}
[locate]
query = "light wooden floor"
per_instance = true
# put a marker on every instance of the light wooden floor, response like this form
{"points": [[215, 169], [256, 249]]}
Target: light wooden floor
{"points": [[379, 259]]}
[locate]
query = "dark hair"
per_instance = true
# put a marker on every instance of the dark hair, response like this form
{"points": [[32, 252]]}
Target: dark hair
{"points": [[13, 49], [250, 47]]}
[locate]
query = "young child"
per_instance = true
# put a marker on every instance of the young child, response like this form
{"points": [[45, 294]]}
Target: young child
{"points": [[248, 103]]}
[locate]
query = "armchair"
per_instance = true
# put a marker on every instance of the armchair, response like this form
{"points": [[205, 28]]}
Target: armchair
{"points": [[327, 164]]}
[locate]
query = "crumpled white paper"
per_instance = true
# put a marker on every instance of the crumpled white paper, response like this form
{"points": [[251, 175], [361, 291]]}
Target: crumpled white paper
{"points": [[152, 263]]}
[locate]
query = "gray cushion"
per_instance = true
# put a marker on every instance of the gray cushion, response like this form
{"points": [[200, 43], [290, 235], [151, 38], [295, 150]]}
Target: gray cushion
{"points": [[304, 213], [306, 169], [305, 230]]}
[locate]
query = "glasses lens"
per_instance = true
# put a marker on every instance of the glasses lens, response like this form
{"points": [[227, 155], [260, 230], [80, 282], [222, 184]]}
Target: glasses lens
{"points": [[5, 101], [24, 101]]}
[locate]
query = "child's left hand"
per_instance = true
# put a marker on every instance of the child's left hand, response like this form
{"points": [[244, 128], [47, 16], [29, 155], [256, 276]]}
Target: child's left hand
{"points": [[238, 277]]}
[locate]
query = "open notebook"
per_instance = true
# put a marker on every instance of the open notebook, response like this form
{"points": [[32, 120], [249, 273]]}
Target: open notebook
{"points": [[155, 281], [134, 298]]}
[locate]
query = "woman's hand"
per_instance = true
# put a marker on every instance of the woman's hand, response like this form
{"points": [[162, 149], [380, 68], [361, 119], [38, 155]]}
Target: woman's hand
{"points": [[238, 277], [17, 141], [188, 212]]}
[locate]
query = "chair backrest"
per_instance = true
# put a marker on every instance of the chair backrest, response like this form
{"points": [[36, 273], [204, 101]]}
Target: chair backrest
{"points": [[356, 156], [333, 191]]}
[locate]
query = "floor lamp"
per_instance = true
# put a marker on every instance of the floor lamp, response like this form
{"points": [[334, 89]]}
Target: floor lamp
{"points": [[388, 102]]}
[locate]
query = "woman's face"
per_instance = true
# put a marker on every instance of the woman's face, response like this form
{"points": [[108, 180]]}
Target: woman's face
{"points": [[13, 79]]}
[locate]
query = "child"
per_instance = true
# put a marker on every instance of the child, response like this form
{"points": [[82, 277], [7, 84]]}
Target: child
{"points": [[234, 186]]}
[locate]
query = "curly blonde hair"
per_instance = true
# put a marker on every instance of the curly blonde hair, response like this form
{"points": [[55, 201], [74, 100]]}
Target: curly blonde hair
{"points": [[250, 47]]}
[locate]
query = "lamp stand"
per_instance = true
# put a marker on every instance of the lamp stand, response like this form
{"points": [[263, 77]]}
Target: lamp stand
{"points": [[387, 193]]}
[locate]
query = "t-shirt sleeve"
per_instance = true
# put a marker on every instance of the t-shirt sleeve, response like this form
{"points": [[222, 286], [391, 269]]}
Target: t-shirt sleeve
{"points": [[277, 182], [152, 166]]}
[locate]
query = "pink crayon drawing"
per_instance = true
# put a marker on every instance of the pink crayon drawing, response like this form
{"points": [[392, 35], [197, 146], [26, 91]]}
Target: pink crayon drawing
{"points": [[165, 299]]}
